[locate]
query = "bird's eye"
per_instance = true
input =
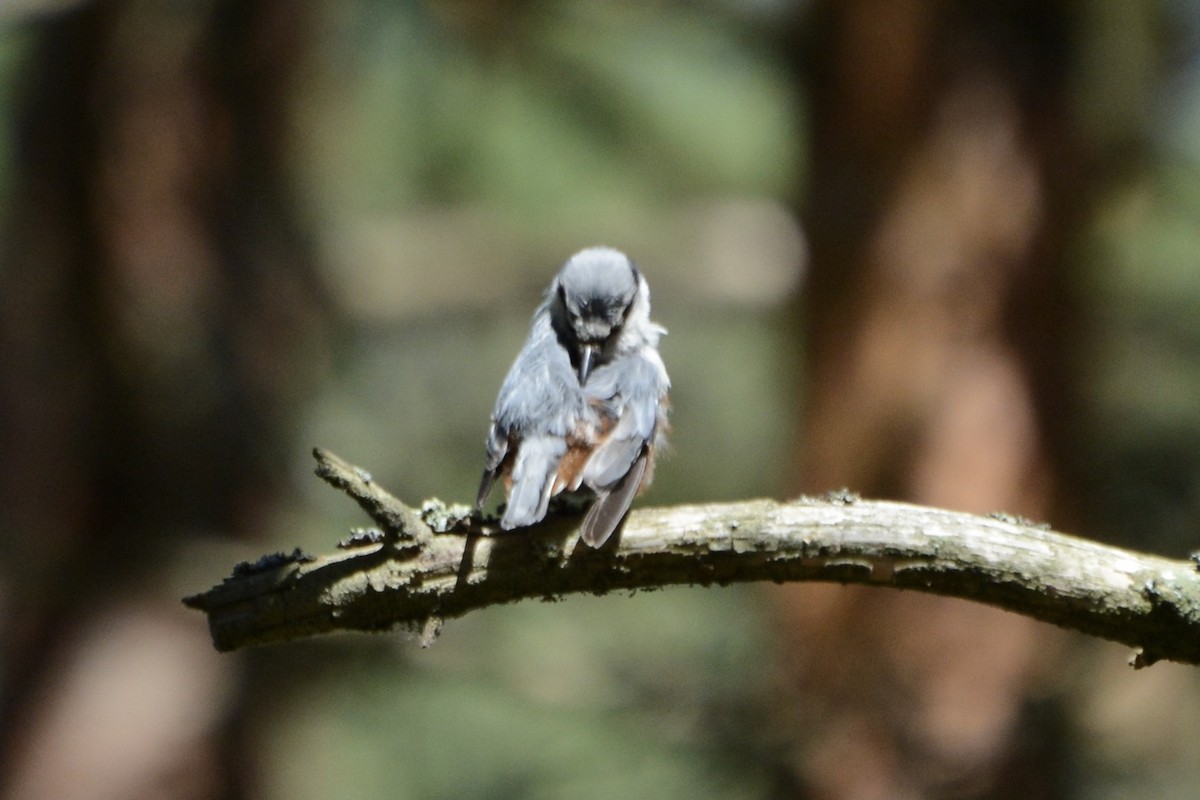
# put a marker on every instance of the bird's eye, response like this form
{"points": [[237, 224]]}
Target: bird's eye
{"points": [[623, 309]]}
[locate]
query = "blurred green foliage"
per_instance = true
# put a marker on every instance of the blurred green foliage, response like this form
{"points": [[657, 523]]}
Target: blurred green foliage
{"points": [[587, 698], [555, 112], [1139, 356]]}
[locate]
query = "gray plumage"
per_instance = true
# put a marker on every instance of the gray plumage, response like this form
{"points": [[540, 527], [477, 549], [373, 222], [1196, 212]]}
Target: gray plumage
{"points": [[584, 403]]}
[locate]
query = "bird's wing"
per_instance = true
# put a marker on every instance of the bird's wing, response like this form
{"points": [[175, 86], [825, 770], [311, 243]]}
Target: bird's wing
{"points": [[497, 449], [629, 391], [611, 505], [539, 402]]}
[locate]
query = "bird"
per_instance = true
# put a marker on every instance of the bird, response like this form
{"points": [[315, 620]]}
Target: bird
{"points": [[585, 402]]}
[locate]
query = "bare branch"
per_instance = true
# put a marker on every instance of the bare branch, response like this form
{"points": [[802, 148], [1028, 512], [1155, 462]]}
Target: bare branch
{"points": [[440, 563]]}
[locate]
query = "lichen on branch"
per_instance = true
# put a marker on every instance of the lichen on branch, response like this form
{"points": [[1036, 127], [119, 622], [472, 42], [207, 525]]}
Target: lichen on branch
{"points": [[423, 566]]}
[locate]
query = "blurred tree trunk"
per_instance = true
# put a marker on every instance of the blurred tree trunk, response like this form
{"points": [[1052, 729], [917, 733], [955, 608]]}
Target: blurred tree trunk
{"points": [[945, 180], [155, 297]]}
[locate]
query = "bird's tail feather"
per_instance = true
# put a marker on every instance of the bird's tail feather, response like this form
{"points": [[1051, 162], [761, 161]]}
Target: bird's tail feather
{"points": [[609, 509], [532, 481]]}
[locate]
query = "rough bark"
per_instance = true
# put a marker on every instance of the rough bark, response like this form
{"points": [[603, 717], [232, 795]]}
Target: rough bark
{"points": [[435, 564]]}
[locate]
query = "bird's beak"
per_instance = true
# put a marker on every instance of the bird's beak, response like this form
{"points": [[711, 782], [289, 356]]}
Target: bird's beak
{"points": [[586, 356]]}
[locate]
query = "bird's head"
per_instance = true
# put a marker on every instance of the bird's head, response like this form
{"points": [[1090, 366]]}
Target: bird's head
{"points": [[594, 294]]}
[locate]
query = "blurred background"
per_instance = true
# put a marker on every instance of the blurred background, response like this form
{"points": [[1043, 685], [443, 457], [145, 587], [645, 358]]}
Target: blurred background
{"points": [[935, 251]]}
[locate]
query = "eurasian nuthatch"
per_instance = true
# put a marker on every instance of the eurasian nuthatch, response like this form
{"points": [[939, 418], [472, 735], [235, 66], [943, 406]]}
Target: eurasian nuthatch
{"points": [[585, 402]]}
